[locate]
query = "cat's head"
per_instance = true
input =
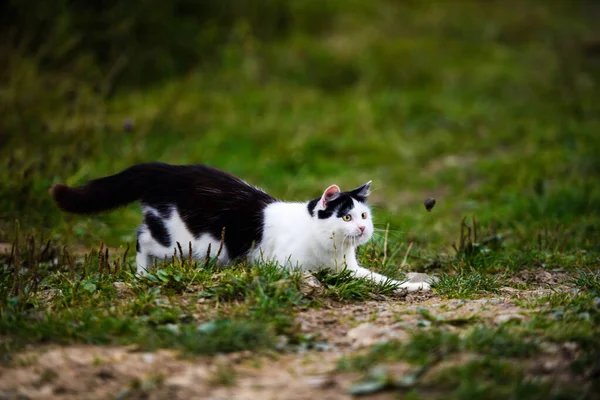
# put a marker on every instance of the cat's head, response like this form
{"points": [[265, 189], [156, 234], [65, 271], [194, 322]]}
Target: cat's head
{"points": [[344, 214]]}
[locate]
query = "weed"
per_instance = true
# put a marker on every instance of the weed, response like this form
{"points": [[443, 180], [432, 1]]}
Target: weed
{"points": [[223, 374], [343, 285], [467, 284], [588, 280], [500, 342], [47, 376]]}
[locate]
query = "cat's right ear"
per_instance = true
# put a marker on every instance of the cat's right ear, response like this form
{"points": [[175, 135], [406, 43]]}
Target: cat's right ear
{"points": [[331, 193]]}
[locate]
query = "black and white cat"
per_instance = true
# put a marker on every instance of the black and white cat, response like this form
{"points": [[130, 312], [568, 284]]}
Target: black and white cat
{"points": [[194, 203]]}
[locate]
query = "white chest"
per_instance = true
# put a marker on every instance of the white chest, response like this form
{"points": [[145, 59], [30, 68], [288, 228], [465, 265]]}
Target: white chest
{"points": [[291, 238]]}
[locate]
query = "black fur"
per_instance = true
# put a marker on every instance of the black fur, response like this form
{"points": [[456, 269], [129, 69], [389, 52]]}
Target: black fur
{"points": [[157, 229], [206, 198], [311, 206], [339, 206]]}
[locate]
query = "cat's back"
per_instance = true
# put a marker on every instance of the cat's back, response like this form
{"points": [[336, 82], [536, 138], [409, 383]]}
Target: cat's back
{"points": [[208, 200], [190, 184]]}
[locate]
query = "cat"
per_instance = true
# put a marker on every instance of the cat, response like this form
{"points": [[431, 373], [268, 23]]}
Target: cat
{"points": [[200, 204]]}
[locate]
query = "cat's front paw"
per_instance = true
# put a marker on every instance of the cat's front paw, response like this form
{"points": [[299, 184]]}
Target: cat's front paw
{"points": [[413, 287], [416, 282]]}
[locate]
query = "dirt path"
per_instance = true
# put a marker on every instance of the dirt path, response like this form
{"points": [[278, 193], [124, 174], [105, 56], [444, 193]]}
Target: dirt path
{"points": [[93, 372]]}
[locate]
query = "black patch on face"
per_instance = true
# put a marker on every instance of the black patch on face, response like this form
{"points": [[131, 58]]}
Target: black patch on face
{"points": [[311, 206], [340, 206], [137, 244], [157, 229]]}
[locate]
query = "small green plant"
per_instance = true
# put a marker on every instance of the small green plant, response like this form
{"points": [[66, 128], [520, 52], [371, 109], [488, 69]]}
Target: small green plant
{"points": [[223, 374], [500, 342], [467, 284], [474, 251], [48, 375], [588, 281], [343, 285]]}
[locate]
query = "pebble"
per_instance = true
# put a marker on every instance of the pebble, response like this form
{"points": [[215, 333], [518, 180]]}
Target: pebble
{"points": [[310, 286], [49, 294], [368, 334], [320, 382], [418, 277], [148, 358], [122, 288], [551, 365], [504, 318]]}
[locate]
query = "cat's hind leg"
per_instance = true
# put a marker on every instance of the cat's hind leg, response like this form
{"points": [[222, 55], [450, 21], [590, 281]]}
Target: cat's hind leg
{"points": [[142, 258]]}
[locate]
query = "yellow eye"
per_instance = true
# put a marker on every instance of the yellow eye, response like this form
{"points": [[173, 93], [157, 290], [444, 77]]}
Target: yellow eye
{"points": [[347, 217], [364, 215]]}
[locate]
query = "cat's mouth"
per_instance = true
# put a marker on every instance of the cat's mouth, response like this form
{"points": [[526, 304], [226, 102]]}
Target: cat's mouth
{"points": [[361, 237], [357, 239]]}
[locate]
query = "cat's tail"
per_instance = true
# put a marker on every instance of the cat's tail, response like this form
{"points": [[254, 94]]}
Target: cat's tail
{"points": [[109, 192]]}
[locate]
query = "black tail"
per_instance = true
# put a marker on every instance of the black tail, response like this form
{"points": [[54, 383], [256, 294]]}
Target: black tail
{"points": [[110, 192]]}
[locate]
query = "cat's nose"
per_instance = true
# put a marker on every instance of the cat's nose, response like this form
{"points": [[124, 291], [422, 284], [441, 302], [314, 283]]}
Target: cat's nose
{"points": [[362, 228]]}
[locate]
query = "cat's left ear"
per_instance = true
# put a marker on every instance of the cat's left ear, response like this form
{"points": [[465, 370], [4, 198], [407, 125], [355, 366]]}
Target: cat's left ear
{"points": [[331, 193], [362, 192]]}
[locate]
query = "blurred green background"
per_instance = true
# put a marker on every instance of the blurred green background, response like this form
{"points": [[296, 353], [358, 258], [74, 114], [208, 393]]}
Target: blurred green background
{"points": [[491, 107]]}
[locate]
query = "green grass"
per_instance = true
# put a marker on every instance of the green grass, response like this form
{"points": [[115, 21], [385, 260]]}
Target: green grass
{"points": [[493, 109], [429, 346], [588, 281], [247, 306], [467, 284], [344, 286]]}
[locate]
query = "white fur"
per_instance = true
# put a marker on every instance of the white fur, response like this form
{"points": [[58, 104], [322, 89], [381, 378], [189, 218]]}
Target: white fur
{"points": [[291, 237]]}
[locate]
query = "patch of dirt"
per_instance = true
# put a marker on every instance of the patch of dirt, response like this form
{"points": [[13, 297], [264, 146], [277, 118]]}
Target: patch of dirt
{"points": [[544, 278], [92, 372], [352, 326]]}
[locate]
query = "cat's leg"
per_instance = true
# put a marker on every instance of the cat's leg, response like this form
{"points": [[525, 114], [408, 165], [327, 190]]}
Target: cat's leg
{"points": [[142, 258], [361, 272], [142, 261]]}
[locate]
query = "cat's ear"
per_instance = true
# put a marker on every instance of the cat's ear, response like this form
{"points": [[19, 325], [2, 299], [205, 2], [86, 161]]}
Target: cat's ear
{"points": [[362, 192], [331, 193]]}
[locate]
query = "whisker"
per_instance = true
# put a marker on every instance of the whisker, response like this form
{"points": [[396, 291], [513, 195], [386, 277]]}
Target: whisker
{"points": [[344, 239], [391, 230]]}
